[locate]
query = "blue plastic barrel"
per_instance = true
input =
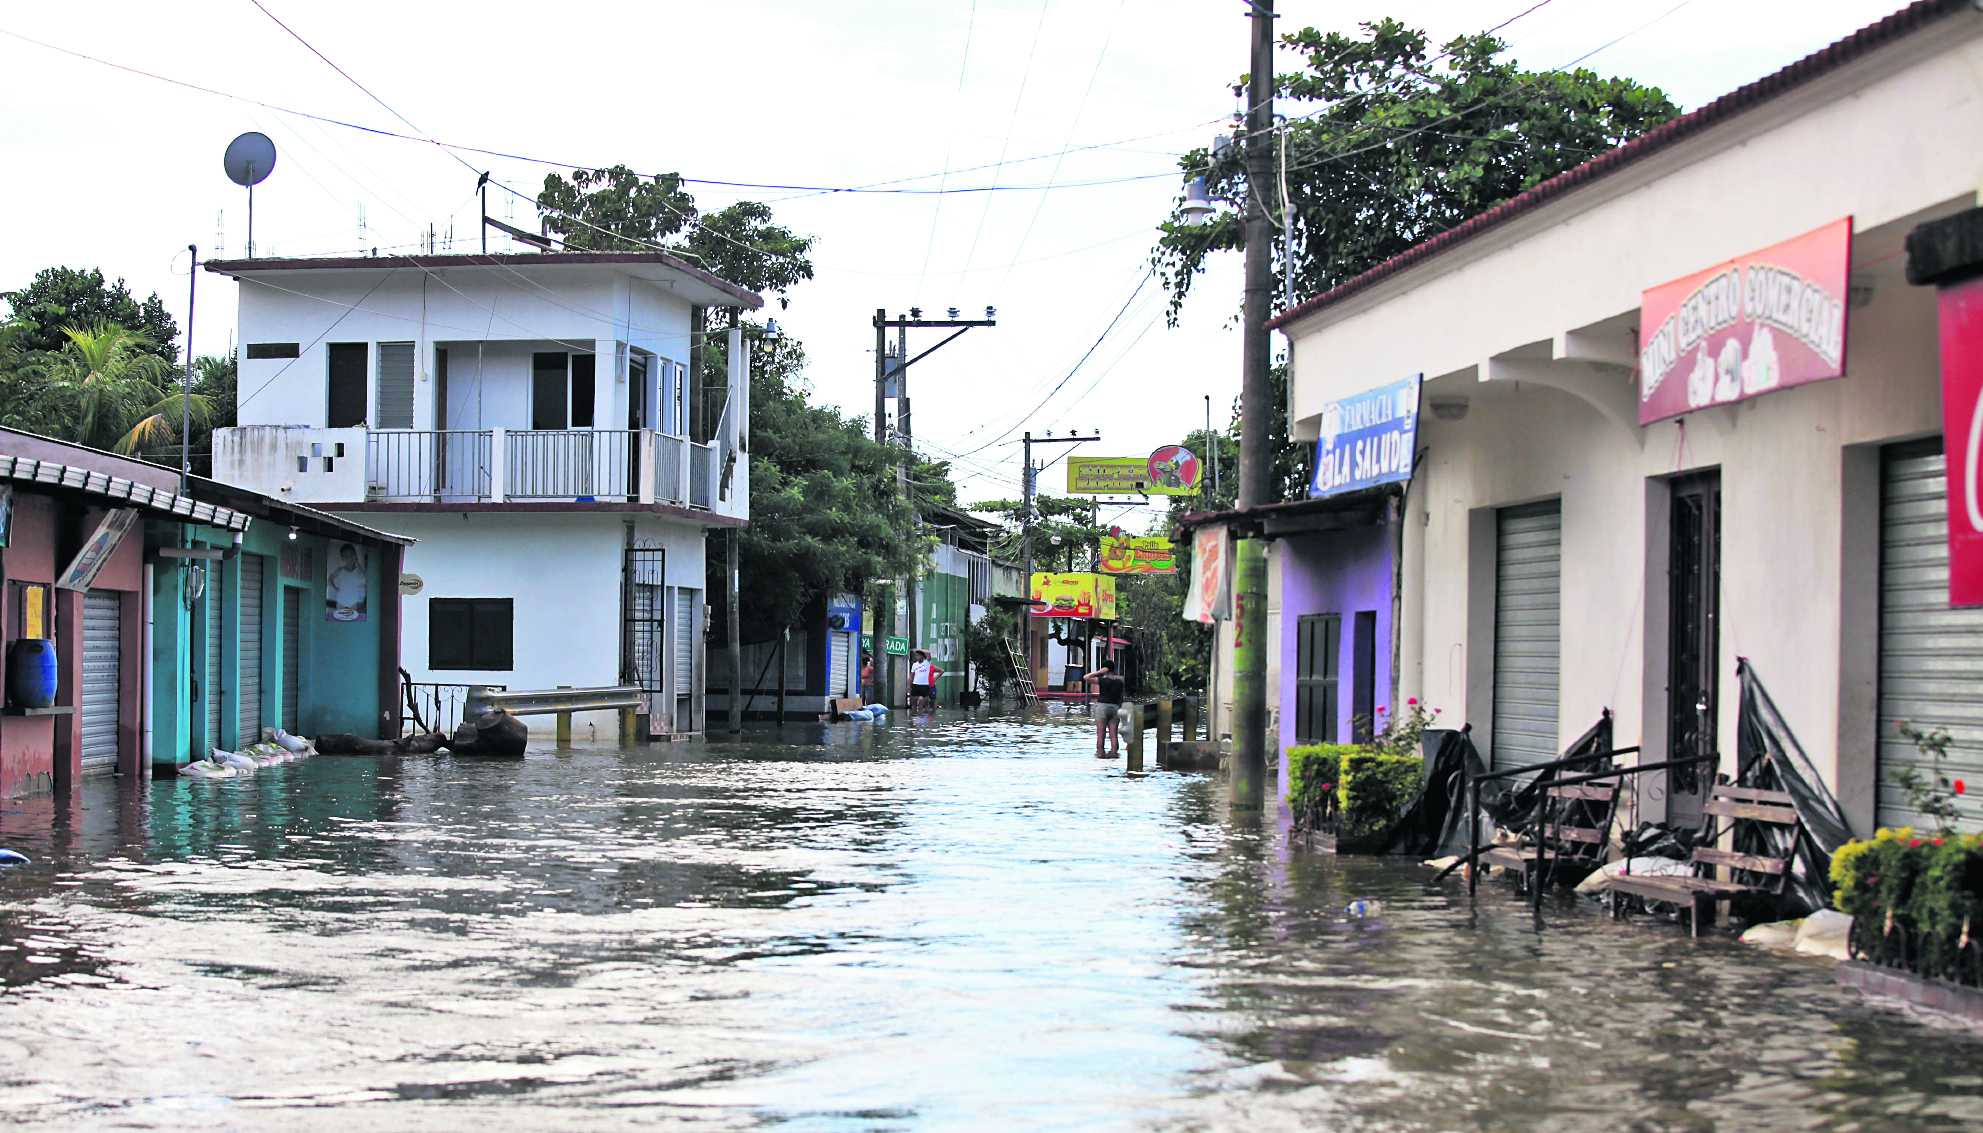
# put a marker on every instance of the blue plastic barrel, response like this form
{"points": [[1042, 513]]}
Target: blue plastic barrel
{"points": [[31, 673]]}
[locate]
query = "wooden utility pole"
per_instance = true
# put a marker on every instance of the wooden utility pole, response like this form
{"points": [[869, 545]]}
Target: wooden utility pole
{"points": [[1256, 456]]}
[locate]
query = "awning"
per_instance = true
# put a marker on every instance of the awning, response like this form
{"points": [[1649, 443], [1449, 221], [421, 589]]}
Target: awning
{"points": [[157, 501], [1370, 507]]}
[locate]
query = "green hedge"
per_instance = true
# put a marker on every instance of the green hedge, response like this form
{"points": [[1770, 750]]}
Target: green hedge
{"points": [[1374, 791], [1366, 788], [1931, 884]]}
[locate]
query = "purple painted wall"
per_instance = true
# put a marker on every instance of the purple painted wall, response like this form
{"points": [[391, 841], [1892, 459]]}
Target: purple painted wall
{"points": [[1335, 572]]}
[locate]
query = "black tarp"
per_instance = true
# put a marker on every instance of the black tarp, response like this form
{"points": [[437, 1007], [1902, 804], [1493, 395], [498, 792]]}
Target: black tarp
{"points": [[1768, 757], [1434, 824]]}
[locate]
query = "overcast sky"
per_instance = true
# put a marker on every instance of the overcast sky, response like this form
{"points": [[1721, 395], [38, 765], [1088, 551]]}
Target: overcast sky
{"points": [[115, 170]]}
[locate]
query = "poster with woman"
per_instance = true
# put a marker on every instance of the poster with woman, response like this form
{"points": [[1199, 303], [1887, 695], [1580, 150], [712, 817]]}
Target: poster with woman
{"points": [[344, 584]]}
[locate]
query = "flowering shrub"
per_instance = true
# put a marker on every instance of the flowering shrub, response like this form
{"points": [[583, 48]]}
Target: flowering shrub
{"points": [[1933, 885], [1314, 773]]}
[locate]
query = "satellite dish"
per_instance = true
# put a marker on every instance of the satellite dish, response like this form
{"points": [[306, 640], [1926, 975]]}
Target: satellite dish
{"points": [[249, 158]]}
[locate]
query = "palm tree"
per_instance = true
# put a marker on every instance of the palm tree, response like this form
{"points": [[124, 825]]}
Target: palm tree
{"points": [[117, 396]]}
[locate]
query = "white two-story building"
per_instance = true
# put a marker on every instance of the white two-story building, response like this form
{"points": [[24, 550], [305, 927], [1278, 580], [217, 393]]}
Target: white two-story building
{"points": [[541, 425]]}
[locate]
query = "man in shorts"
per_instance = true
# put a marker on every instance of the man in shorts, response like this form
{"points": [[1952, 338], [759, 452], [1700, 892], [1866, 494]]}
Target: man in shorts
{"points": [[1108, 707], [922, 681]]}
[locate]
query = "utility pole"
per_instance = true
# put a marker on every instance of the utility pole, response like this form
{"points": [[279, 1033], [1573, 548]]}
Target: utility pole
{"points": [[903, 423], [1249, 766], [186, 401]]}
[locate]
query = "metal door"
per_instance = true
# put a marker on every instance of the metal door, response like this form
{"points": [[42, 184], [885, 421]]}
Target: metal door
{"points": [[686, 601], [840, 665], [1931, 657], [103, 634], [1528, 567], [210, 684], [292, 658], [248, 685], [1693, 644], [1318, 649]]}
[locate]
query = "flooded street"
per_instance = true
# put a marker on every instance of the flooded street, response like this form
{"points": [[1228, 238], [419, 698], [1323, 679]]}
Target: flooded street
{"points": [[950, 925]]}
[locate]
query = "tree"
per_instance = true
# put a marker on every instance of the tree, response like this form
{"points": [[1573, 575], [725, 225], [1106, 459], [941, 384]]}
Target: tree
{"points": [[1072, 518], [62, 297], [825, 516], [1402, 145], [115, 395], [615, 209], [742, 245]]}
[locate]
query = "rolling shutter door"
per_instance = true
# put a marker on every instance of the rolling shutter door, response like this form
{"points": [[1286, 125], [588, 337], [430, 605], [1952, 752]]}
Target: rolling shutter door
{"points": [[841, 664], [1527, 640], [103, 631], [1931, 657], [210, 674], [292, 658], [685, 603], [248, 693]]}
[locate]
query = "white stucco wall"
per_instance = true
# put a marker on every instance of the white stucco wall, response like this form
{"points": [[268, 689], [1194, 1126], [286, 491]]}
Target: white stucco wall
{"points": [[563, 571], [1524, 323]]}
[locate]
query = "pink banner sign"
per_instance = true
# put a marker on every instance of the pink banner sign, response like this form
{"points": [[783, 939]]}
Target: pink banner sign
{"points": [[1768, 320], [1959, 316]]}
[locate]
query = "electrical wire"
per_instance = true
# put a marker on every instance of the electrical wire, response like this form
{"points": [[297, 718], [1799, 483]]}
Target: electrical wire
{"points": [[1018, 100]]}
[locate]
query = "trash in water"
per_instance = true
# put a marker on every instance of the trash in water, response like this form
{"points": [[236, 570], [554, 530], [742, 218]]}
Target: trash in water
{"points": [[9, 857], [1363, 908]]}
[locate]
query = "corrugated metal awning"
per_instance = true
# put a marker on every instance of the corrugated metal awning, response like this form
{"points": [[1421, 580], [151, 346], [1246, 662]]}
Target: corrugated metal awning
{"points": [[156, 500]]}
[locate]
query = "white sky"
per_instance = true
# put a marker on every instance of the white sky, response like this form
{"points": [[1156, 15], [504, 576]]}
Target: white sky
{"points": [[115, 170]]}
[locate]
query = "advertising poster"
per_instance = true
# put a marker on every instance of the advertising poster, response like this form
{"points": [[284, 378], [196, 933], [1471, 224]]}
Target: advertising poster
{"points": [[1960, 316], [97, 549], [344, 584], [1367, 440], [1170, 471], [1209, 599], [1073, 596], [1126, 555], [1768, 320]]}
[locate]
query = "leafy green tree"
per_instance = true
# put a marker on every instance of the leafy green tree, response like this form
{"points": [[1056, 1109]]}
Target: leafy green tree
{"points": [[1072, 518], [742, 245], [115, 395], [615, 209], [62, 297], [825, 515], [1388, 144]]}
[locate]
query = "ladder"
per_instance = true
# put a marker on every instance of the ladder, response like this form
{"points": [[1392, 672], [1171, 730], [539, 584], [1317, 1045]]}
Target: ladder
{"points": [[1022, 674]]}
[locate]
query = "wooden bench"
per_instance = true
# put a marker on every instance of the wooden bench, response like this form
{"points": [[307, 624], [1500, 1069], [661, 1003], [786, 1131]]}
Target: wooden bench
{"points": [[1562, 839], [1729, 810]]}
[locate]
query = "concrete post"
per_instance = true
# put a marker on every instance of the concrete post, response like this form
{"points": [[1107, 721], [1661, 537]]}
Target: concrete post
{"points": [[498, 465], [1163, 733], [1132, 716], [564, 726], [1187, 722]]}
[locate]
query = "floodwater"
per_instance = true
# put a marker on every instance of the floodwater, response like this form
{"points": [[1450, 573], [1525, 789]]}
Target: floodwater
{"points": [[958, 924]]}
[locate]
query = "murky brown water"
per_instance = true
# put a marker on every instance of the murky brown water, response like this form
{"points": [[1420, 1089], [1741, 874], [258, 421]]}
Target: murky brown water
{"points": [[955, 925]]}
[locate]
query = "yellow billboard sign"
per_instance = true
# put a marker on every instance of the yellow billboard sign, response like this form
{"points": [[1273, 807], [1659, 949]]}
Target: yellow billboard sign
{"points": [[1169, 471], [1138, 556], [1073, 596]]}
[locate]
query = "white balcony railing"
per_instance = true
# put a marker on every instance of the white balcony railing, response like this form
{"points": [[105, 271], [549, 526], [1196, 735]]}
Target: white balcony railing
{"points": [[605, 465], [427, 465]]}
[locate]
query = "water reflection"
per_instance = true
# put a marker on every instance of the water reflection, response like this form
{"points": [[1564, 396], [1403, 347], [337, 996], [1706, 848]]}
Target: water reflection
{"points": [[951, 923]]}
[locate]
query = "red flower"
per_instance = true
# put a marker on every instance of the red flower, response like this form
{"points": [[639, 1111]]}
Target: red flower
{"points": [[1411, 700], [1959, 788], [1913, 842], [1328, 786], [1938, 841]]}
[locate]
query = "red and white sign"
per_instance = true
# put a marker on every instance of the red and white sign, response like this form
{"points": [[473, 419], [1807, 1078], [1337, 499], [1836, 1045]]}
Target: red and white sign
{"points": [[1768, 320], [1960, 318]]}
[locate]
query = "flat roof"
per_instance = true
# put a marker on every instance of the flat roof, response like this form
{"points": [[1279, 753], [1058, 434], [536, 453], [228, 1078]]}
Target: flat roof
{"points": [[625, 261], [1852, 48]]}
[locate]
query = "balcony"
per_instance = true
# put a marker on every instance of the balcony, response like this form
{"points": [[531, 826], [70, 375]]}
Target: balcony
{"points": [[318, 466]]}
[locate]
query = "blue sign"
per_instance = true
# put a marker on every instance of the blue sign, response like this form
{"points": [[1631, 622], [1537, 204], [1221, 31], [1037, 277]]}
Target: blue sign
{"points": [[844, 619], [1367, 440]]}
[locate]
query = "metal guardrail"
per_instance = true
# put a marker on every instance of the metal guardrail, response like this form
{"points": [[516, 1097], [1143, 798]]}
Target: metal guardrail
{"points": [[434, 707], [702, 471], [669, 471], [567, 463], [543, 701], [426, 464]]}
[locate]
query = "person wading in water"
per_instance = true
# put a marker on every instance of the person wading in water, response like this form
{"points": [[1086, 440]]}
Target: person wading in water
{"points": [[922, 681], [1108, 706]]}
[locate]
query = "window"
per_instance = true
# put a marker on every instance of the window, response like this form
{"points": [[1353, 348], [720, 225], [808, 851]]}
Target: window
{"points": [[471, 633], [582, 373], [549, 374], [272, 350], [346, 404], [395, 386]]}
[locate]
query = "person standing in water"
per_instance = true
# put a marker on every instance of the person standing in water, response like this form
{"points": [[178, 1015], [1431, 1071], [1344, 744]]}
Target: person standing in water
{"points": [[922, 681], [1108, 708]]}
